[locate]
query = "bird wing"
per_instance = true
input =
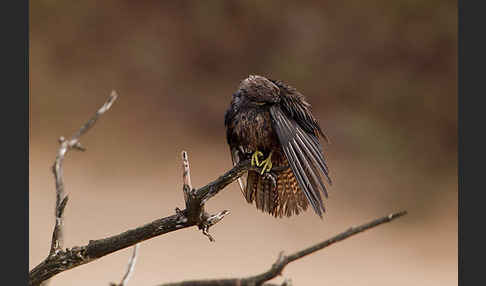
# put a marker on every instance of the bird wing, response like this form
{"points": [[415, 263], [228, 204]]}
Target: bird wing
{"points": [[297, 132], [295, 106]]}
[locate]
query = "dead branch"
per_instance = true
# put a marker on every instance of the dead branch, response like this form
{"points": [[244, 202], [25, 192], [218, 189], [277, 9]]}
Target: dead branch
{"points": [[283, 260], [57, 241], [67, 145], [193, 215]]}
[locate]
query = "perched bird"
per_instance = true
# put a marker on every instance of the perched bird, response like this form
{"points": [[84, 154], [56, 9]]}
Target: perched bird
{"points": [[272, 120]]}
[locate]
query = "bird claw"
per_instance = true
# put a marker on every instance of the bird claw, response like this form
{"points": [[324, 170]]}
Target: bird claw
{"points": [[267, 164], [254, 158]]}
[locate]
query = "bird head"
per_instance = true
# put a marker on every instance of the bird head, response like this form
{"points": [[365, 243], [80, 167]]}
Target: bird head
{"points": [[257, 90]]}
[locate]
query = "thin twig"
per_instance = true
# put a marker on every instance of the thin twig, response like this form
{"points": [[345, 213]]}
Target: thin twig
{"points": [[130, 268], [186, 172], [283, 260]]}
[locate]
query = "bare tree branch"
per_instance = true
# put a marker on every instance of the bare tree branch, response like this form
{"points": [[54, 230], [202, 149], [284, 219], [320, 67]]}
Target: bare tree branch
{"points": [[283, 260], [66, 145], [193, 215], [195, 204], [130, 268], [57, 242]]}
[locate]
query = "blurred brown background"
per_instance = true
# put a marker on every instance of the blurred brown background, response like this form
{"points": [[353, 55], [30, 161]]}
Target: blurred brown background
{"points": [[381, 76]]}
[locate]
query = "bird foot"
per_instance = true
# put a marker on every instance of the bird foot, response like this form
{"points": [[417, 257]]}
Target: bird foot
{"points": [[267, 164], [254, 158]]}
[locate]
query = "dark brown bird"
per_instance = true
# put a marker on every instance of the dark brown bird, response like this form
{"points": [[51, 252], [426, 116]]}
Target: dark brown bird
{"points": [[271, 119]]}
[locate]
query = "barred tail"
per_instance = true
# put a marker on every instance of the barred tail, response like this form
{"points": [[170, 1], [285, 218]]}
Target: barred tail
{"points": [[261, 190], [278, 197], [291, 199]]}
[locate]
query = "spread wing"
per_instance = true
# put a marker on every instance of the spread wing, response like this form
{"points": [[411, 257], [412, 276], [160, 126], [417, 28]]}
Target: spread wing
{"points": [[298, 132]]}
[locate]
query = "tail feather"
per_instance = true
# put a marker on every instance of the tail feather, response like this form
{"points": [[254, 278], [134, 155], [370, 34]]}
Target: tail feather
{"points": [[251, 186], [282, 197], [267, 191], [259, 194], [291, 198]]}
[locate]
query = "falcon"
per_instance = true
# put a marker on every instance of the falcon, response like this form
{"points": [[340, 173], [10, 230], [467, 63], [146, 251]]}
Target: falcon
{"points": [[271, 124]]}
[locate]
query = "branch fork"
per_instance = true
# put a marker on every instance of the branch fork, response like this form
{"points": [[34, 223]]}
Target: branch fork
{"points": [[57, 241], [195, 211]]}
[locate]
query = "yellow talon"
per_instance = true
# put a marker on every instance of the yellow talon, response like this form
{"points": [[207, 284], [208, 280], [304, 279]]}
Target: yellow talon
{"points": [[267, 164], [254, 158]]}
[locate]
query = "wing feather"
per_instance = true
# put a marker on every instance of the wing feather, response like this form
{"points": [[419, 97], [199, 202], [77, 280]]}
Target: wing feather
{"points": [[304, 181], [304, 154], [314, 172], [294, 104], [316, 152]]}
